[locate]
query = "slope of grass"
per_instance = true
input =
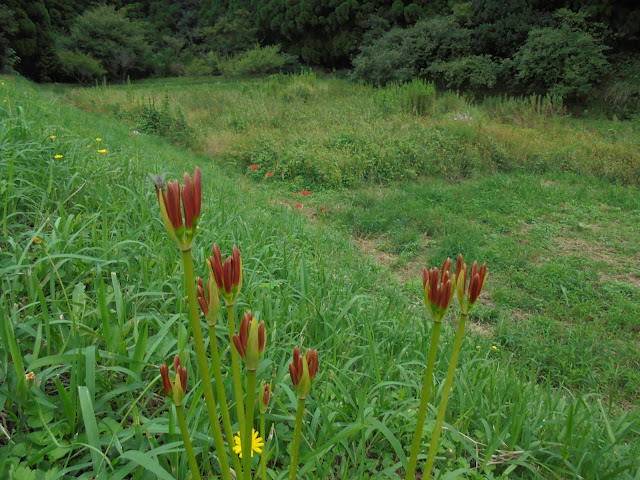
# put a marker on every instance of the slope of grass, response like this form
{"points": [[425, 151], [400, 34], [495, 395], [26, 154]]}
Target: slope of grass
{"points": [[92, 302]]}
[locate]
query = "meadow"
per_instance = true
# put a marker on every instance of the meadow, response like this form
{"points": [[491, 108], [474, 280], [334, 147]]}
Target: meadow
{"points": [[362, 194]]}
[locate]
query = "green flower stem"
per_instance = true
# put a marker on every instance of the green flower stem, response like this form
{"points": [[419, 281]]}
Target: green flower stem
{"points": [[187, 443], [235, 368], [424, 401], [296, 440], [247, 440], [263, 458], [446, 390], [222, 398], [198, 341]]}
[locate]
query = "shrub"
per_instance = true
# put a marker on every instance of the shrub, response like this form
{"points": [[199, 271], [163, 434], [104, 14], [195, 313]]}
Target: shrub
{"points": [[476, 72], [567, 60], [82, 67], [402, 54], [258, 61]]}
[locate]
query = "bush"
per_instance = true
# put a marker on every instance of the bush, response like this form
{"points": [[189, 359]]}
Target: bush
{"points": [[402, 54], [567, 60], [258, 61], [82, 67], [477, 72]]}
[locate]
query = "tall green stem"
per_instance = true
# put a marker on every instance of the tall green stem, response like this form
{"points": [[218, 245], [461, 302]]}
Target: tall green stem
{"points": [[263, 458], [424, 400], [296, 440], [222, 398], [198, 341], [235, 368], [248, 429], [195, 472], [435, 438]]}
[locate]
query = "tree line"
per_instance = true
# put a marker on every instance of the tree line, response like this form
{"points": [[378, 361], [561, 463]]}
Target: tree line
{"points": [[565, 48]]}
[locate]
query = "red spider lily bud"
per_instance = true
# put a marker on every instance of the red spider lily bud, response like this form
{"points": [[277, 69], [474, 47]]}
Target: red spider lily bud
{"points": [[251, 341], [209, 299], [169, 201], [176, 389], [468, 299], [302, 370], [437, 290], [265, 393], [228, 276]]}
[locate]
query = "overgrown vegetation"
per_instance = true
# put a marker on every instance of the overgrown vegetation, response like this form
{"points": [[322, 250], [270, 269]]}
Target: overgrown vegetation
{"points": [[573, 50], [91, 301]]}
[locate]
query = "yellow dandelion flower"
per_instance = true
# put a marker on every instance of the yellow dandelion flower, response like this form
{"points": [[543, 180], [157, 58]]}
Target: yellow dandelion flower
{"points": [[104, 150], [98, 139], [37, 240], [58, 157], [494, 347], [52, 137], [257, 444], [477, 346]]}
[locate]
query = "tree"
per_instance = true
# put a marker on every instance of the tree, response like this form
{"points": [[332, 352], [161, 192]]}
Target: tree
{"points": [[112, 39], [566, 60]]}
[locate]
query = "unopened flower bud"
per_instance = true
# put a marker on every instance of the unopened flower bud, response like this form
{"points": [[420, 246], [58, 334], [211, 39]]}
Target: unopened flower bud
{"points": [[437, 290], [265, 393], [478, 277], [169, 201], [251, 341], [303, 370], [174, 390], [228, 276], [209, 299]]}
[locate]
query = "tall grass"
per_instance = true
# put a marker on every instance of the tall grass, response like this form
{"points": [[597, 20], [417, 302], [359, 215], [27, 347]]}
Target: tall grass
{"points": [[90, 309], [329, 132]]}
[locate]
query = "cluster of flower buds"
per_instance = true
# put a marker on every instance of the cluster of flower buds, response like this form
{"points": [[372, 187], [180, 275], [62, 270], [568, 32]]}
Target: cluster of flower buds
{"points": [[169, 200], [228, 275], [174, 390], [209, 300], [467, 298], [265, 393], [437, 290], [303, 369], [251, 341]]}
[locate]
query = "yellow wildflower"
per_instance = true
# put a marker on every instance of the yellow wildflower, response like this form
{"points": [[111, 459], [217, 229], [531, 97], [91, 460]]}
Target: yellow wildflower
{"points": [[57, 157], [37, 240], [52, 137], [257, 444], [98, 139], [104, 150]]}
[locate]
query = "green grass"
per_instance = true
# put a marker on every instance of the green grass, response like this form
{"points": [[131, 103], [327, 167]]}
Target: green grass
{"points": [[105, 280]]}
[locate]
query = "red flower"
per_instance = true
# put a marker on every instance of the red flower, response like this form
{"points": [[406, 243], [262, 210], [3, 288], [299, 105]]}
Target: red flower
{"points": [[437, 290], [269, 175], [305, 192], [228, 276], [170, 207], [323, 209], [176, 144], [298, 205], [254, 167]]}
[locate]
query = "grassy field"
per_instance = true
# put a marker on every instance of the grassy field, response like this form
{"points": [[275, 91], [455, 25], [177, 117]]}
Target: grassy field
{"points": [[547, 385]]}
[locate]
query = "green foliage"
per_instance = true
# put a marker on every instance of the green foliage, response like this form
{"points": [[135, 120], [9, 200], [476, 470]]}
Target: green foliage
{"points": [[82, 67], [258, 61], [416, 97], [402, 54], [109, 37], [231, 35], [30, 37], [473, 72], [7, 27], [567, 60], [98, 302]]}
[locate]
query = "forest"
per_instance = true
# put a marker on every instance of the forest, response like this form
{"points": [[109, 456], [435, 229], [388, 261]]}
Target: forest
{"points": [[584, 52]]}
